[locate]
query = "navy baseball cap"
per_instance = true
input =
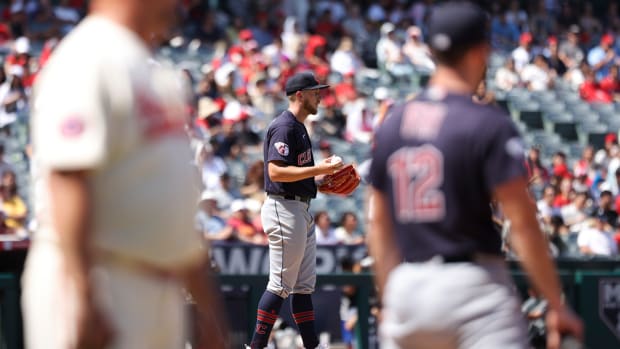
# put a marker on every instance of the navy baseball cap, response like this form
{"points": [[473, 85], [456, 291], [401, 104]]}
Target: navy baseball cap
{"points": [[457, 25], [301, 82]]}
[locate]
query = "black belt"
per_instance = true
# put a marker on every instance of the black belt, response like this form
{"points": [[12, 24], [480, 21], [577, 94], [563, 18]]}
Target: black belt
{"points": [[304, 199], [455, 258], [459, 258]]}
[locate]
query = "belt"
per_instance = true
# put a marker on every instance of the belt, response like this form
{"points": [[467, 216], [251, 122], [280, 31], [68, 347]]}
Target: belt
{"points": [[468, 258], [462, 258], [304, 199]]}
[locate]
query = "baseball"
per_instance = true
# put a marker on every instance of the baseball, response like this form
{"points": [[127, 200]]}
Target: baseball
{"points": [[335, 159]]}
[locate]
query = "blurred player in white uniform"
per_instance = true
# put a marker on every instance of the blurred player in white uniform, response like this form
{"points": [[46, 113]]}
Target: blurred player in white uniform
{"points": [[115, 242]]}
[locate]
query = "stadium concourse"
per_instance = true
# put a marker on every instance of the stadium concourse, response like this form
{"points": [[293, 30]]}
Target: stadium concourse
{"points": [[554, 68]]}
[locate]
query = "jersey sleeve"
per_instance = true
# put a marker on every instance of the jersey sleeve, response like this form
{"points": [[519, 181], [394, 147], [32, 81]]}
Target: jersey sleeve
{"points": [[69, 121], [282, 145], [384, 136], [503, 153], [378, 166]]}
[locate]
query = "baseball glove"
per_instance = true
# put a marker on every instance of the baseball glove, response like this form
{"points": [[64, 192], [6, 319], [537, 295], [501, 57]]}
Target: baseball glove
{"points": [[343, 182]]}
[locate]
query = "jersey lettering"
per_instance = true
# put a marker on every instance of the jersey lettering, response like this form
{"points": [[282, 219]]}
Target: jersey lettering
{"points": [[422, 120], [156, 120], [417, 173], [304, 157]]}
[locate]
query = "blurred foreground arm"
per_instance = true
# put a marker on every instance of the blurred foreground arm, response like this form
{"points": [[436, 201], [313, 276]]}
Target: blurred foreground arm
{"points": [[381, 242], [213, 323], [531, 247], [71, 205]]}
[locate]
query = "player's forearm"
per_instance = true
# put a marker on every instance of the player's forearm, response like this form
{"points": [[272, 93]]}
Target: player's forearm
{"points": [[71, 213], [381, 242], [279, 173], [528, 241], [531, 248], [200, 284]]}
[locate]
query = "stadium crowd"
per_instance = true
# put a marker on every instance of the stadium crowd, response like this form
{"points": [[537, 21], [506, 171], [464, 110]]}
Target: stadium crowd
{"points": [[234, 57]]}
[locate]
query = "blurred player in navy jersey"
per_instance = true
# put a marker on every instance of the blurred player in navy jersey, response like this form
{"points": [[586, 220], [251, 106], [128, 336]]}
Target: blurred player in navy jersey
{"points": [[438, 161]]}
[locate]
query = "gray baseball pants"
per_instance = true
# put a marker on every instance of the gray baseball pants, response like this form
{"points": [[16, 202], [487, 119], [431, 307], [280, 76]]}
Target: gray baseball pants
{"points": [[292, 246], [452, 305]]}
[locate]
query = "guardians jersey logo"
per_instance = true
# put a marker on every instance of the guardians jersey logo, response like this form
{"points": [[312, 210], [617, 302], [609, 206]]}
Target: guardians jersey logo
{"points": [[609, 303], [282, 148], [304, 157]]}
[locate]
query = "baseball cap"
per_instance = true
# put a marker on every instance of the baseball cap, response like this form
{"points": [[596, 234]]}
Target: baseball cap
{"points": [[22, 45], [301, 82], [246, 34], [607, 39], [387, 28], [208, 195], [381, 93], [611, 138], [455, 25], [238, 205], [526, 38]]}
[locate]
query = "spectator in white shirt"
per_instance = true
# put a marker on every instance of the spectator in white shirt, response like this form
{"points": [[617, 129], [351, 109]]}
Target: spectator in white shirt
{"points": [[389, 54], [597, 240], [416, 50], [545, 204], [574, 214], [325, 234], [347, 231], [537, 75], [522, 54], [211, 166], [344, 60], [506, 77]]}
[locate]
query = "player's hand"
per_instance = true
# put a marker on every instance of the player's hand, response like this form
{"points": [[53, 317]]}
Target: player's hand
{"points": [[94, 330], [331, 164], [562, 322]]}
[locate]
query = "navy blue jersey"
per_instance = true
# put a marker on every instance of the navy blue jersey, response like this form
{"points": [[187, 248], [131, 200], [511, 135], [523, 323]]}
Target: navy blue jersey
{"points": [[438, 158], [287, 140]]}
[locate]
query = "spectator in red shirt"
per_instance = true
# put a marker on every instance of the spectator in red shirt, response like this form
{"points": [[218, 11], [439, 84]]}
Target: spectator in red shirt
{"points": [[565, 194], [5, 34], [345, 91], [315, 53], [611, 83], [591, 90], [241, 223], [536, 171], [583, 166], [325, 26], [560, 168]]}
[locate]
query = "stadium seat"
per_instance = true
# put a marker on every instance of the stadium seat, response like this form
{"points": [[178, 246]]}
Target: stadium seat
{"points": [[545, 97], [609, 117], [573, 150], [579, 108], [531, 118], [592, 133], [603, 108], [502, 100], [566, 130], [552, 106], [547, 142], [569, 97]]}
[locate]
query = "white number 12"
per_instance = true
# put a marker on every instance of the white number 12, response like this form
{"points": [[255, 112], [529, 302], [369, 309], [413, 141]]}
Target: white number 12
{"points": [[417, 174]]}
